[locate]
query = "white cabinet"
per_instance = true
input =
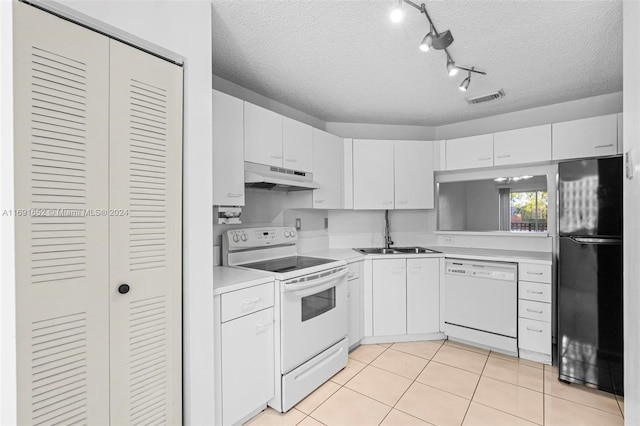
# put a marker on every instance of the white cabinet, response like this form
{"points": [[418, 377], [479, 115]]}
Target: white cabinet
{"points": [[470, 152], [347, 175], [244, 352], [296, 145], [354, 281], [373, 184], [589, 137], [405, 296], [413, 175], [327, 170], [534, 312], [262, 136], [389, 297], [228, 150], [247, 365], [529, 145], [620, 139], [423, 296]]}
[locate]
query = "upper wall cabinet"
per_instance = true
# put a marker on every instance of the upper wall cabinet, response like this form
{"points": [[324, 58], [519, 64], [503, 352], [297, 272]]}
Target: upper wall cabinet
{"points": [[372, 174], [470, 152], [589, 137], [262, 136], [327, 170], [529, 145], [620, 140], [228, 150], [413, 177], [296, 145]]}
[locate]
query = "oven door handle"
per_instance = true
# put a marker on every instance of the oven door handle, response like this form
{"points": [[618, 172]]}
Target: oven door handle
{"points": [[315, 283]]}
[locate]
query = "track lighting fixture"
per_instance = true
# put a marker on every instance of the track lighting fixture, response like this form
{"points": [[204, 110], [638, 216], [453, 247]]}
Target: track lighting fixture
{"points": [[397, 13], [465, 83], [451, 67], [437, 41]]}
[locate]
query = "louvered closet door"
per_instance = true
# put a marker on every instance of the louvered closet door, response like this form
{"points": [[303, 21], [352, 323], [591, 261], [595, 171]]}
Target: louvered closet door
{"points": [[145, 178], [61, 79]]}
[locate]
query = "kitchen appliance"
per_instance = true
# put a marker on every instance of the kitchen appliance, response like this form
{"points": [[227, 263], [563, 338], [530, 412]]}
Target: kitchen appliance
{"points": [[311, 317], [480, 301], [590, 320], [277, 178]]}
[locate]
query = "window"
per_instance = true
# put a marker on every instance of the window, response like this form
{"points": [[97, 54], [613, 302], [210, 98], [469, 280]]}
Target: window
{"points": [[528, 211]]}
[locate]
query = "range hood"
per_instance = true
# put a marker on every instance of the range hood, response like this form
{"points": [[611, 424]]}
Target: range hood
{"points": [[277, 178]]}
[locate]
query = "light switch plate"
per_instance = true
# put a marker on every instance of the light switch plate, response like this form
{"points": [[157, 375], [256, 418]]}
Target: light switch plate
{"points": [[298, 224]]}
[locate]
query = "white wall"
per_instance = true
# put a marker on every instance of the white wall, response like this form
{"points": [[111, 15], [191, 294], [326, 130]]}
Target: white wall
{"points": [[565, 111], [8, 410], [184, 27], [631, 134]]}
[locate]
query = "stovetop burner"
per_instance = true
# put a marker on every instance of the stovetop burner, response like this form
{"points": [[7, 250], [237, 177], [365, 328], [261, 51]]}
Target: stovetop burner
{"points": [[287, 264]]}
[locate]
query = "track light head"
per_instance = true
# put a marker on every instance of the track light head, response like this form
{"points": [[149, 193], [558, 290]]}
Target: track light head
{"points": [[451, 67], [442, 40], [465, 84], [397, 13], [426, 42]]}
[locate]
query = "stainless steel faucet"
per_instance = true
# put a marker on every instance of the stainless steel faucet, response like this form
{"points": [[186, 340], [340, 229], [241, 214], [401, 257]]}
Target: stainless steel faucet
{"points": [[387, 238]]}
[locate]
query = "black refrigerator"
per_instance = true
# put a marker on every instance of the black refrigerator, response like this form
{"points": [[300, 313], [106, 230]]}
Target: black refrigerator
{"points": [[590, 339]]}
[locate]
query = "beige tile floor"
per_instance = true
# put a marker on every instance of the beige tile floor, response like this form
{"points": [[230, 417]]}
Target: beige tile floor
{"points": [[446, 383]]}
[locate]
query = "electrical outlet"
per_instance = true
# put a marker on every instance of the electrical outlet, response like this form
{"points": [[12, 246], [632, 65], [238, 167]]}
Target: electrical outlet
{"points": [[298, 224], [449, 240], [326, 223]]}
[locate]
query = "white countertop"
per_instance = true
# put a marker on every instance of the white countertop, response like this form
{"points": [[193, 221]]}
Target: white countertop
{"points": [[496, 255], [227, 279], [347, 254]]}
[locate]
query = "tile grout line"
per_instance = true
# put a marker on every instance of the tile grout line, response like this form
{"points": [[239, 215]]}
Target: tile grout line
{"points": [[476, 388]]}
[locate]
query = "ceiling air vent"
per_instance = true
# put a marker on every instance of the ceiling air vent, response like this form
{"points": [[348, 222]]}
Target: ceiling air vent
{"points": [[486, 98]]}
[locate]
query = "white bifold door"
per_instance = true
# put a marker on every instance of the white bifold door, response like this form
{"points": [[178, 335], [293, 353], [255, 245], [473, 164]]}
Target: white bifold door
{"points": [[98, 152]]}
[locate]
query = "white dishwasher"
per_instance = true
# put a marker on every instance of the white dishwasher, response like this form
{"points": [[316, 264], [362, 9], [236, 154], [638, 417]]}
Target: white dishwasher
{"points": [[481, 303]]}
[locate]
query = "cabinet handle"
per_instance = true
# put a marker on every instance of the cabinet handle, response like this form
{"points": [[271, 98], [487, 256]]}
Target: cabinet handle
{"points": [[534, 292], [387, 202], [397, 269], [251, 301], [534, 273], [484, 158], [402, 202], [233, 194], [263, 326], [603, 146], [290, 160], [276, 157], [537, 330], [351, 275], [534, 311], [318, 201], [503, 156]]}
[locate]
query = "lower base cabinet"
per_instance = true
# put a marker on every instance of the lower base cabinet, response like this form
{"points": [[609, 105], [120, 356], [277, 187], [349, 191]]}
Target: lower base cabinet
{"points": [[355, 303]]}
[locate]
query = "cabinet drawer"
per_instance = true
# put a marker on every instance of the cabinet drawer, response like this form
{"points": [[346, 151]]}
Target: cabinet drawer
{"points": [[538, 292], [534, 310], [353, 270], [534, 272], [242, 302], [534, 335]]}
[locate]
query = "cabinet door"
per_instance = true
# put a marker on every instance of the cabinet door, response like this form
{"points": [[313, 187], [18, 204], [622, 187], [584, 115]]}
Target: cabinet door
{"points": [[61, 130], [327, 170], [247, 365], [372, 174], [228, 150], [620, 148], [470, 152], [262, 136], [297, 148], [423, 296], [389, 297], [413, 180], [589, 137], [145, 246], [528, 145]]}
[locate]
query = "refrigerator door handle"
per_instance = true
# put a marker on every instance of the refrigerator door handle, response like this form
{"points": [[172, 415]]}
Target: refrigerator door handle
{"points": [[588, 240]]}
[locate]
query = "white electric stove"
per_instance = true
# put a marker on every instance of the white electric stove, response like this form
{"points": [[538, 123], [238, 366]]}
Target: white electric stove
{"points": [[310, 308]]}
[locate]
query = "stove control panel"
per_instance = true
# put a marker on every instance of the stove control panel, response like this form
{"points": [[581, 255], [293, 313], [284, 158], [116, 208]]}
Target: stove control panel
{"points": [[248, 238]]}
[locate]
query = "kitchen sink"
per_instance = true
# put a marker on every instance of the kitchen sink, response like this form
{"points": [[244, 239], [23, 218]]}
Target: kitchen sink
{"points": [[397, 250]]}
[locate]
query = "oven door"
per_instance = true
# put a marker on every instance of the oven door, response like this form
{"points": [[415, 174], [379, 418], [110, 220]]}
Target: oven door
{"points": [[313, 315]]}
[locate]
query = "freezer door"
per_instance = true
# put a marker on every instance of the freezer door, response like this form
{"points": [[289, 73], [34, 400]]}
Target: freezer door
{"points": [[590, 197], [590, 312]]}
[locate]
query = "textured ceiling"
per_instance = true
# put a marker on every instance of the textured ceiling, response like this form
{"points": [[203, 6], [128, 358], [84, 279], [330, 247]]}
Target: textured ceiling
{"points": [[345, 61]]}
